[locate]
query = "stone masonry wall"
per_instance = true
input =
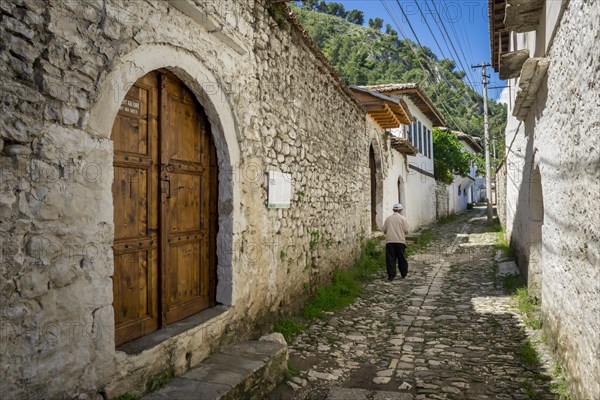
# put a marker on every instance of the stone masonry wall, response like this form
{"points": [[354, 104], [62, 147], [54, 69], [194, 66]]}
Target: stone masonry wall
{"points": [[560, 137], [273, 105]]}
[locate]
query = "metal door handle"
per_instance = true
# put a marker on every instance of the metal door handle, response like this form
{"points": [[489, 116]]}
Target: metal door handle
{"points": [[168, 191]]}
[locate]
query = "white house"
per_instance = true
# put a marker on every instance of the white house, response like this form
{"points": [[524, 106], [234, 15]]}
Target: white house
{"points": [[464, 189], [408, 176]]}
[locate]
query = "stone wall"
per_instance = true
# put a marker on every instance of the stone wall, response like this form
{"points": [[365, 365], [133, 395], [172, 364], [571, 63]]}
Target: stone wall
{"points": [[442, 199], [553, 180], [500, 177], [273, 104]]}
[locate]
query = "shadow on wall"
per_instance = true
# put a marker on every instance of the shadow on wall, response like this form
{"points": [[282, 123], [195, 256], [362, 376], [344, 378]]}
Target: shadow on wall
{"points": [[526, 236]]}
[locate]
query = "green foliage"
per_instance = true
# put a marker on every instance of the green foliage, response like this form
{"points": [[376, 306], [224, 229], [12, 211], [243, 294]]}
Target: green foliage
{"points": [[421, 245], [528, 355], [511, 283], [367, 56], [345, 287], [449, 157], [376, 23], [290, 372], [161, 379], [289, 327], [356, 17], [559, 386], [530, 307]]}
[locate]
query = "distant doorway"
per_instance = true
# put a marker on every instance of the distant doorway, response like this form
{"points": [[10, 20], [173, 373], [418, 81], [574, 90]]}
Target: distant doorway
{"points": [[373, 175], [401, 194]]}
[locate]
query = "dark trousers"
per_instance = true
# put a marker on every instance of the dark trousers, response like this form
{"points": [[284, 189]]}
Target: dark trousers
{"points": [[394, 253]]}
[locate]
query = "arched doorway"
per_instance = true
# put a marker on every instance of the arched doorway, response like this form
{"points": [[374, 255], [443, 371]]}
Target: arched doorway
{"points": [[536, 221], [165, 196], [373, 177], [401, 195]]}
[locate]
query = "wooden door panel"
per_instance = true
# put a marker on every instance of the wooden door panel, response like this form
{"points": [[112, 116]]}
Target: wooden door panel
{"points": [[130, 190], [135, 195], [186, 157], [185, 206]]}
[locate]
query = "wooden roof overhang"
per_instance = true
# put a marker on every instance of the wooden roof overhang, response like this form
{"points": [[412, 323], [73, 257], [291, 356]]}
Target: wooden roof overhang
{"points": [[499, 35], [403, 146], [387, 112], [416, 95], [470, 141]]}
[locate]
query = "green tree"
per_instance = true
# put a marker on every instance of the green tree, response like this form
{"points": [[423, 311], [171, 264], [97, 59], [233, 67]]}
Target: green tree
{"points": [[310, 4], [390, 31], [376, 23], [356, 17], [449, 157]]}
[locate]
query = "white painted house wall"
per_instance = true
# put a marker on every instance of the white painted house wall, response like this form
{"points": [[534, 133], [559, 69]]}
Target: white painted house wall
{"points": [[418, 189]]}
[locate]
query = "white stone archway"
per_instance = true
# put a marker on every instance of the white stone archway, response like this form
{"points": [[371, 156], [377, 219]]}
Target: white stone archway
{"points": [[211, 95]]}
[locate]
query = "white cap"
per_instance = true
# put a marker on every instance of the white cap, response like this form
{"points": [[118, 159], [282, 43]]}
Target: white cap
{"points": [[397, 206]]}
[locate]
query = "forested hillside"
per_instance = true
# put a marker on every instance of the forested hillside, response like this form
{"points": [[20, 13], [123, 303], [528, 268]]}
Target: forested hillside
{"points": [[376, 55]]}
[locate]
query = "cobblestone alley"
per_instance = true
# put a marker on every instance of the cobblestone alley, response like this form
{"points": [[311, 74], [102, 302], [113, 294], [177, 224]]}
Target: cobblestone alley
{"points": [[448, 331]]}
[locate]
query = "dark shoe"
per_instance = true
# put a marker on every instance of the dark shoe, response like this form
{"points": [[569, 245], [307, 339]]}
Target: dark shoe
{"points": [[390, 279], [402, 276]]}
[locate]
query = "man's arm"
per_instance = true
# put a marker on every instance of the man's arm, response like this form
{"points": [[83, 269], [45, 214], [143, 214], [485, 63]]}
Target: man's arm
{"points": [[406, 227]]}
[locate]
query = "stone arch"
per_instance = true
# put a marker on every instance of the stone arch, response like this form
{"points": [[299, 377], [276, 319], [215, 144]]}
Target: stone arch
{"points": [[536, 221], [376, 184], [225, 130]]}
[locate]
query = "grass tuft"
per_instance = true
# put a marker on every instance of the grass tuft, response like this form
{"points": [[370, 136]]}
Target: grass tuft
{"points": [[528, 355], [289, 327], [529, 306], [424, 240], [345, 287], [161, 379], [512, 282]]}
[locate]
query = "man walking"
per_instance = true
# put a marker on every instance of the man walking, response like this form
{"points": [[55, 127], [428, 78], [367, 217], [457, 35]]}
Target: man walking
{"points": [[395, 228]]}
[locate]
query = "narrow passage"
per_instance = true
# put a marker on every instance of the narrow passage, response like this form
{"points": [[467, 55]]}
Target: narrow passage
{"points": [[448, 331]]}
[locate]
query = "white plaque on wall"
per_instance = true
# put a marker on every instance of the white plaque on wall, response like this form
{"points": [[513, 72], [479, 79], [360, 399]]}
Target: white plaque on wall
{"points": [[280, 190]]}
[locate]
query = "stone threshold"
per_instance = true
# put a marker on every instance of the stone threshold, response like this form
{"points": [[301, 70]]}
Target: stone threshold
{"points": [[157, 337], [241, 371]]}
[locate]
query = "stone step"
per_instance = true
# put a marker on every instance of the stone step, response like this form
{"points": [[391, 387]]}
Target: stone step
{"points": [[337, 393], [241, 371]]}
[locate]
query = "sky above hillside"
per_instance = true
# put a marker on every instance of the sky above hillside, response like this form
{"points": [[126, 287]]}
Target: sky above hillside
{"points": [[466, 22]]}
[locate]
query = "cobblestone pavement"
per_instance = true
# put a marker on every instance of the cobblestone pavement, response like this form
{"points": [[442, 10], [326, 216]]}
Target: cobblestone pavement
{"points": [[447, 331]]}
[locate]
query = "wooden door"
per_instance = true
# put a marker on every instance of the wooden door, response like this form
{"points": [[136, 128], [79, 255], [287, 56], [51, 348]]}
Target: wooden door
{"points": [[185, 201], [135, 199], [164, 194]]}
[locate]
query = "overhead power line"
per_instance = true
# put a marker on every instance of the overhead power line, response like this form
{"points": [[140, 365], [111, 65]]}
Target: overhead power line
{"points": [[449, 39], [430, 31], [425, 70]]}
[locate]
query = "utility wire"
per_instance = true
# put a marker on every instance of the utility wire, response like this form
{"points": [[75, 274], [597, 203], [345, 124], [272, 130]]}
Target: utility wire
{"points": [[448, 35], [430, 31], [394, 19], [409, 24]]}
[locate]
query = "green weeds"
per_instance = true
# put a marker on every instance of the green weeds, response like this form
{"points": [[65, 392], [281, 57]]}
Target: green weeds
{"points": [[530, 307], [161, 379], [345, 287], [424, 240]]}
